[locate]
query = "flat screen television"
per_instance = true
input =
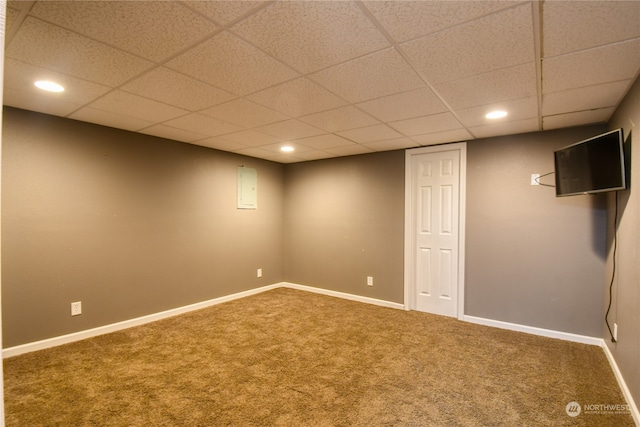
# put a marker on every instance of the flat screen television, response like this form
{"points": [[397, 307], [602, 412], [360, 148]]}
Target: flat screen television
{"points": [[594, 165]]}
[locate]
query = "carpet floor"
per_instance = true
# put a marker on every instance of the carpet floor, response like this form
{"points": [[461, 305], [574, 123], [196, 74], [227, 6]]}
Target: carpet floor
{"points": [[294, 358]]}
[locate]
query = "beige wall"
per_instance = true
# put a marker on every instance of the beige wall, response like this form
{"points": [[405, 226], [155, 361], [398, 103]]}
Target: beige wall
{"points": [[625, 308], [126, 223], [532, 258], [344, 221]]}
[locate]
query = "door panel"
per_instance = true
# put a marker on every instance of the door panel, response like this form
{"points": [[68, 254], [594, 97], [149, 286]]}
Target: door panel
{"points": [[425, 210], [435, 187]]}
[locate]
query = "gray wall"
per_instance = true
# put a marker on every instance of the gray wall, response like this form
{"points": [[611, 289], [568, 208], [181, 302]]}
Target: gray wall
{"points": [[625, 308], [132, 224], [344, 221], [531, 258], [126, 223]]}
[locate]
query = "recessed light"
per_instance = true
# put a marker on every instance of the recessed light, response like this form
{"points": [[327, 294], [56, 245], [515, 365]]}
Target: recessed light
{"points": [[49, 86], [286, 148], [498, 114]]}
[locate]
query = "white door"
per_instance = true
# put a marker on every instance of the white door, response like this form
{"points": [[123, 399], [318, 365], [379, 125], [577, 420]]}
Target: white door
{"points": [[435, 227]]}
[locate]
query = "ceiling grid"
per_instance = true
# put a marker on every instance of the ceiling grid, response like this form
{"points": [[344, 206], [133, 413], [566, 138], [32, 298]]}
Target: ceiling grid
{"points": [[329, 78]]}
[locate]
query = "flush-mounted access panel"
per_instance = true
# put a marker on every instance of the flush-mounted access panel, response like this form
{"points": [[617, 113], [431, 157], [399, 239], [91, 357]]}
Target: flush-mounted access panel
{"points": [[247, 188]]}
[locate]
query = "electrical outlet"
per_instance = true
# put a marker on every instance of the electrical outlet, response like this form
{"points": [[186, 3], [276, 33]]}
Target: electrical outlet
{"points": [[369, 281], [615, 331], [534, 179], [259, 273], [76, 308]]}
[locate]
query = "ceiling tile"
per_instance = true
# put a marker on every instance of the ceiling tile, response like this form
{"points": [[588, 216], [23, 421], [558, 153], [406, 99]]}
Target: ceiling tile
{"points": [[111, 119], [506, 128], [589, 67], [224, 12], [290, 129], [202, 124], [427, 124], [576, 25], [173, 88], [444, 136], [342, 118], [584, 98], [370, 134], [518, 109], [495, 86], [314, 155], [19, 5], [244, 113], [47, 104], [405, 105], [312, 35], [167, 28], [372, 76], [406, 20], [297, 98], [57, 49], [20, 77], [219, 144], [135, 106], [276, 148], [350, 150], [501, 40], [173, 133], [578, 118], [227, 62], [250, 138], [391, 144], [254, 152], [12, 16], [283, 158], [323, 142]]}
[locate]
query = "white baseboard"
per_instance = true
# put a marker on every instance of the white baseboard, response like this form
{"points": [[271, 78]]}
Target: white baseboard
{"points": [[623, 385], [343, 295], [567, 337], [77, 336], [533, 330], [101, 330]]}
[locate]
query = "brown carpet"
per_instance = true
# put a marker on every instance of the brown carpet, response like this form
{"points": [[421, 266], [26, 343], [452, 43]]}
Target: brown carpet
{"points": [[294, 358]]}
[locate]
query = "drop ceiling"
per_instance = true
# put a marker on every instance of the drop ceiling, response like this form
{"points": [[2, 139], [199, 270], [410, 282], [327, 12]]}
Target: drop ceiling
{"points": [[330, 78]]}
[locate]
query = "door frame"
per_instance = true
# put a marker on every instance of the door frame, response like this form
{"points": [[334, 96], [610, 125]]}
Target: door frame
{"points": [[409, 226]]}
